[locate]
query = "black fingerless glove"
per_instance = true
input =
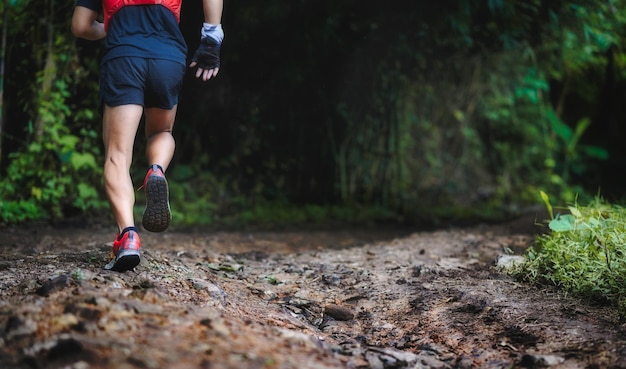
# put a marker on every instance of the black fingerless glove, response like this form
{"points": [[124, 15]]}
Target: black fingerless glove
{"points": [[208, 54]]}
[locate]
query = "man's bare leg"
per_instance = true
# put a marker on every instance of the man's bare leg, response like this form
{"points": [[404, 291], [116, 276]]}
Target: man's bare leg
{"points": [[159, 152], [120, 126], [161, 145]]}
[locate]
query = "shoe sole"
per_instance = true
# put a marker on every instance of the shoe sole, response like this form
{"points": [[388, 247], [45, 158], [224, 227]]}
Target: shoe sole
{"points": [[125, 263], [127, 260], [157, 215]]}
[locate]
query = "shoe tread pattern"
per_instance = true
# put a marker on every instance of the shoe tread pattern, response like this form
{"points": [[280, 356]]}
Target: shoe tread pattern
{"points": [[157, 215], [125, 263]]}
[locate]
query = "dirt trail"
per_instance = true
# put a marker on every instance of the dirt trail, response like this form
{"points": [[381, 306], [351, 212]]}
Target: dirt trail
{"points": [[377, 298]]}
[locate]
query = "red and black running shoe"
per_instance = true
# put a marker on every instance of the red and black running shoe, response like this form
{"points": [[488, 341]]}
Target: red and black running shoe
{"points": [[125, 251], [157, 215]]}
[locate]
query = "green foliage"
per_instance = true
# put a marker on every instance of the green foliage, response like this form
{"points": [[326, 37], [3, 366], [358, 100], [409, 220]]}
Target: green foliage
{"points": [[452, 110], [584, 254], [284, 214], [532, 145], [194, 197], [53, 174], [424, 132], [55, 171], [202, 199], [574, 157]]}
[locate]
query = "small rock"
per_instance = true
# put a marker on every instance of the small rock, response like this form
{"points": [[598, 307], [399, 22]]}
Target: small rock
{"points": [[214, 291], [507, 262], [65, 348], [53, 285], [338, 312], [64, 321], [199, 284], [540, 361], [217, 293], [270, 295]]}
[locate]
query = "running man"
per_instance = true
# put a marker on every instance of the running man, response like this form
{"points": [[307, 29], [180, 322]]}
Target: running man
{"points": [[141, 74]]}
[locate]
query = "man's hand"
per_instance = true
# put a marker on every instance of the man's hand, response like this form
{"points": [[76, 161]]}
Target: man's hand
{"points": [[207, 57]]}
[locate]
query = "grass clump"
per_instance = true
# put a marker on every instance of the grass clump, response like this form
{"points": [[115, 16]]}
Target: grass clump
{"points": [[584, 253]]}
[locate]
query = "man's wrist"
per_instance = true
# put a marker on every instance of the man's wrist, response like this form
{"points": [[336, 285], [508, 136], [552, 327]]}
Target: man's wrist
{"points": [[213, 31]]}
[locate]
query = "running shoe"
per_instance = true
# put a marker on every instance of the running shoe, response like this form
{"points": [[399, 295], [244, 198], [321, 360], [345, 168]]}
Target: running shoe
{"points": [[125, 251], [157, 215]]}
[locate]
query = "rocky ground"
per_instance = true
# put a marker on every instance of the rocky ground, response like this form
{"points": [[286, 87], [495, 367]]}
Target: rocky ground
{"points": [[351, 298]]}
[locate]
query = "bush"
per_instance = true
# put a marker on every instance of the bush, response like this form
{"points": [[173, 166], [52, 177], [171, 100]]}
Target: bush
{"points": [[584, 253]]}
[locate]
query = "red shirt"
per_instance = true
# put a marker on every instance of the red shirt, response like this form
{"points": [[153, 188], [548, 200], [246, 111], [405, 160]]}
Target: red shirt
{"points": [[110, 7]]}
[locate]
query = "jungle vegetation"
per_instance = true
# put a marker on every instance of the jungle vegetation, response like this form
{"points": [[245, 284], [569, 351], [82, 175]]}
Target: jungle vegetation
{"points": [[345, 111]]}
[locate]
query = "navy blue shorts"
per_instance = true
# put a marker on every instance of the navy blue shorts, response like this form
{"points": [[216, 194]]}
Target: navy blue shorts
{"points": [[152, 83]]}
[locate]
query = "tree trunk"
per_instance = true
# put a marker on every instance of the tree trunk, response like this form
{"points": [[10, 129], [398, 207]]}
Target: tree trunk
{"points": [[49, 74], [3, 49]]}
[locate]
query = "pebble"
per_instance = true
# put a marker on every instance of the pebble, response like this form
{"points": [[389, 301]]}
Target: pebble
{"points": [[53, 285], [508, 262], [199, 284], [64, 321], [338, 312], [540, 361], [65, 348]]}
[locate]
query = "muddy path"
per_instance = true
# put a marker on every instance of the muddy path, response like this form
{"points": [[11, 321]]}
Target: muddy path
{"points": [[353, 298]]}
